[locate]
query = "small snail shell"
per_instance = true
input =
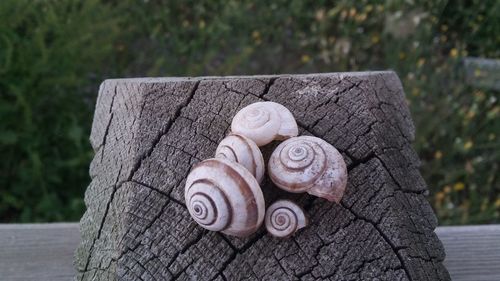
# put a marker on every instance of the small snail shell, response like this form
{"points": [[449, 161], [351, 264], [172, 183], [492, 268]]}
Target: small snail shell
{"points": [[264, 122], [222, 195], [309, 164], [284, 218], [244, 151]]}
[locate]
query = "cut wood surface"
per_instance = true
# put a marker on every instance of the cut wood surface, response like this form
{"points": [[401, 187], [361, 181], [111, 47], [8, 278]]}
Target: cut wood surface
{"points": [[44, 252], [147, 133]]}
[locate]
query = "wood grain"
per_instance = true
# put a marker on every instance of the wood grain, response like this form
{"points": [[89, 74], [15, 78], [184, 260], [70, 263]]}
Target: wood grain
{"points": [[147, 134], [44, 252], [472, 252]]}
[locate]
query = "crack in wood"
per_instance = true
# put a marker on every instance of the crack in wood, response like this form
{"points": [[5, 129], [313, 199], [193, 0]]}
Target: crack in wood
{"points": [[388, 154], [163, 132]]}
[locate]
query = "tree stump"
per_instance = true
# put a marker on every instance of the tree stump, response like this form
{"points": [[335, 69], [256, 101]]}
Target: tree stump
{"points": [[147, 133]]}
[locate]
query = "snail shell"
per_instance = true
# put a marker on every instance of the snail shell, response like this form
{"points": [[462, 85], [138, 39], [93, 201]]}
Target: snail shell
{"points": [[244, 151], [222, 195], [284, 218], [264, 122], [309, 164]]}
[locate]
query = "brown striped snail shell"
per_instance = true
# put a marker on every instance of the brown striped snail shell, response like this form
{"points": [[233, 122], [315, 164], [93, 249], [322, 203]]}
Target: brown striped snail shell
{"points": [[309, 164], [222, 195], [264, 122], [245, 152], [284, 218]]}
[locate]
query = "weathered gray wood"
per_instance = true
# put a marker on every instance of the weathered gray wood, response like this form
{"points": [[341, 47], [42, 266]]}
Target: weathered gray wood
{"points": [[147, 133], [483, 73], [39, 252], [472, 252]]}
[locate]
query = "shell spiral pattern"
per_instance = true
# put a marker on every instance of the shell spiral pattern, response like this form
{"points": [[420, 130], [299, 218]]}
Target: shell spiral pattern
{"points": [[309, 164], [223, 196], [244, 151], [284, 218], [264, 122]]}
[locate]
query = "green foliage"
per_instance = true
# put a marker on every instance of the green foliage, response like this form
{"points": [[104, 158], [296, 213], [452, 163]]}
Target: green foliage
{"points": [[54, 53], [49, 53]]}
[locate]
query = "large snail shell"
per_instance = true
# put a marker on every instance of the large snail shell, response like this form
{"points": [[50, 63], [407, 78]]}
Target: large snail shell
{"points": [[284, 218], [244, 151], [264, 122], [309, 164], [222, 195]]}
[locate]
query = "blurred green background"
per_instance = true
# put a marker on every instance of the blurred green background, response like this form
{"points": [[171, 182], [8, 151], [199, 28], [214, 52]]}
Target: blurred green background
{"points": [[54, 54]]}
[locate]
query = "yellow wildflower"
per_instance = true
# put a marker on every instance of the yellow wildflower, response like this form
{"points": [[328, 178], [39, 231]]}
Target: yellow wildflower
{"points": [[470, 114], [255, 34], [468, 145], [459, 186], [320, 14], [369, 8], [497, 203], [438, 154], [361, 17], [402, 55], [415, 92], [453, 53], [305, 58], [343, 14], [352, 12], [201, 24], [440, 196], [420, 62], [375, 39]]}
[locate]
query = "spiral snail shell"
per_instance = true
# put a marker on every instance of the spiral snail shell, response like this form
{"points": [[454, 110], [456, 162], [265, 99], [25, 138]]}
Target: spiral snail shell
{"points": [[284, 218], [222, 195], [309, 164], [244, 151], [264, 122]]}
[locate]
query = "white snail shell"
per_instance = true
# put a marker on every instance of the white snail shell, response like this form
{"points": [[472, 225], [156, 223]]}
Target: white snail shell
{"points": [[222, 195], [264, 122], [284, 218], [244, 151], [309, 164]]}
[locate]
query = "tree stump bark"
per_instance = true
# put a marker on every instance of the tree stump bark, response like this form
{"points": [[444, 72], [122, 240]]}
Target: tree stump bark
{"points": [[147, 133]]}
